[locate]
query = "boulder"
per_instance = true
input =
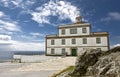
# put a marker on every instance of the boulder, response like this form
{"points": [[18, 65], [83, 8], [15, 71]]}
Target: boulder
{"points": [[88, 58], [97, 63]]}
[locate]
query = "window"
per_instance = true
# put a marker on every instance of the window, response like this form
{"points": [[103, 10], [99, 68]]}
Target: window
{"points": [[84, 30], [52, 42], [84, 40], [73, 41], [73, 31], [98, 40], [63, 31], [63, 41], [52, 51], [63, 51]]}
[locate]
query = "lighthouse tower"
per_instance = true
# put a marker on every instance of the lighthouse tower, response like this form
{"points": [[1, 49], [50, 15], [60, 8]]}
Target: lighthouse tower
{"points": [[78, 19]]}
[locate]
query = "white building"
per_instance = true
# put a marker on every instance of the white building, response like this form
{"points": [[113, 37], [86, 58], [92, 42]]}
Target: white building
{"points": [[74, 38]]}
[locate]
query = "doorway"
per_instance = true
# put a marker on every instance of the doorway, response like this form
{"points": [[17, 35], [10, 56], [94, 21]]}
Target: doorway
{"points": [[74, 52]]}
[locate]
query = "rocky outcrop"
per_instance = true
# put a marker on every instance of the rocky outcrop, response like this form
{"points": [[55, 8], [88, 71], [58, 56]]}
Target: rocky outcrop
{"points": [[107, 66], [96, 63], [88, 58]]}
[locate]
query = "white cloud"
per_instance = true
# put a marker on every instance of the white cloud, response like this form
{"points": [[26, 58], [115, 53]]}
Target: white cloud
{"points": [[115, 45], [5, 39], [22, 46], [62, 9], [7, 44], [112, 16], [24, 4], [31, 37], [1, 14], [8, 26], [115, 15], [3, 31], [37, 34]]}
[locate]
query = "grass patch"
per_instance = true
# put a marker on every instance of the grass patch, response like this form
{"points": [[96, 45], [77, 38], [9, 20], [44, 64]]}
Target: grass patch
{"points": [[70, 68]]}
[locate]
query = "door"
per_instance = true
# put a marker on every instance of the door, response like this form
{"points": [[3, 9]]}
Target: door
{"points": [[74, 52]]}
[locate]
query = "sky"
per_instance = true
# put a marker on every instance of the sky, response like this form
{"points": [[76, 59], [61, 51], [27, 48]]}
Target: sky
{"points": [[25, 23]]}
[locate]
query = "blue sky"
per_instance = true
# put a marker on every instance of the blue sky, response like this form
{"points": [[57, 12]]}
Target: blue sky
{"points": [[25, 23]]}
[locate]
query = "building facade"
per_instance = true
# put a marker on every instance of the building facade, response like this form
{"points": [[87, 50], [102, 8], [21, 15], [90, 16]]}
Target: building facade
{"points": [[72, 39]]}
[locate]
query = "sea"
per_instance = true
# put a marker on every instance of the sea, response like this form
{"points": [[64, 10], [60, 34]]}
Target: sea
{"points": [[8, 55]]}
